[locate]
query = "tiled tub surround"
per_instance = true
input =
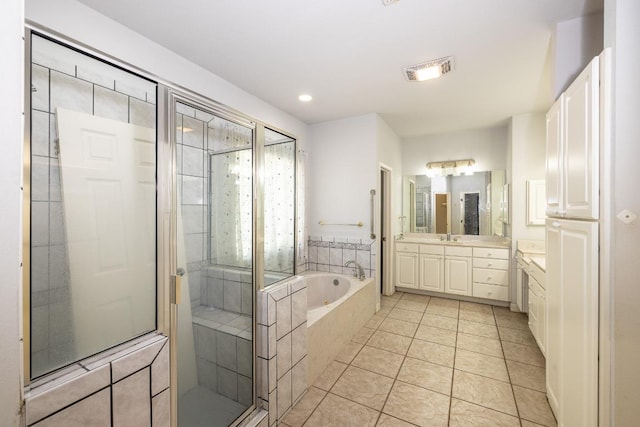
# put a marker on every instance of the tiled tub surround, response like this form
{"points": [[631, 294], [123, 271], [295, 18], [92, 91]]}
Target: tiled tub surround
{"points": [[74, 82], [331, 253], [431, 361], [129, 387], [282, 346], [332, 326]]}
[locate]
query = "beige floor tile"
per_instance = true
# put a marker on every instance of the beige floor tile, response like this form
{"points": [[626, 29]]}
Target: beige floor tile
{"points": [[474, 306], [328, 378], [465, 414], [484, 391], [364, 387], [379, 361], [412, 305], [416, 298], [335, 411], [481, 364], [305, 406], [475, 328], [363, 335], [388, 302], [512, 320], [528, 376], [349, 352], [517, 336], [427, 375], [441, 322], [432, 352], [417, 405], [442, 310], [389, 421], [479, 344], [437, 335], [523, 353], [533, 406], [444, 302], [390, 342], [406, 315], [526, 423], [476, 316], [400, 327], [374, 322], [384, 311]]}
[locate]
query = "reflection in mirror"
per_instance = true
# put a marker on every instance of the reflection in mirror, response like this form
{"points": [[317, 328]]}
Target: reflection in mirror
{"points": [[468, 204]]}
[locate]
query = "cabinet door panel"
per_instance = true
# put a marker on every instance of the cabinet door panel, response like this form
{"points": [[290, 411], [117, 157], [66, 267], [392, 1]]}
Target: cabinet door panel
{"points": [[431, 273], [554, 319], [407, 270], [457, 273], [581, 144], [553, 187]]}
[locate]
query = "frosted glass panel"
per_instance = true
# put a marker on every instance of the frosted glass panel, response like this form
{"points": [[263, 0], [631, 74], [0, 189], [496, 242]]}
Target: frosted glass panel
{"points": [[93, 206]]}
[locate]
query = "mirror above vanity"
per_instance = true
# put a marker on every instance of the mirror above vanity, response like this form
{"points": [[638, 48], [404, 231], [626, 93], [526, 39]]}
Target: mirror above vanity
{"points": [[473, 204]]}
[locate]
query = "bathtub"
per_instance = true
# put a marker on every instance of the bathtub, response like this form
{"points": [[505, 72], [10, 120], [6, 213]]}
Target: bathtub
{"points": [[337, 307]]}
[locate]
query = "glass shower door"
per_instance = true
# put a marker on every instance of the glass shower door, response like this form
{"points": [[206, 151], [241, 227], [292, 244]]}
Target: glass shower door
{"points": [[213, 323]]}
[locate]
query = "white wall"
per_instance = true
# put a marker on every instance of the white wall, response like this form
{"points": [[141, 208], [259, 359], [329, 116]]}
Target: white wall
{"points": [[390, 154], [576, 42], [82, 24], [528, 143], [11, 86], [622, 31], [343, 169], [487, 147]]}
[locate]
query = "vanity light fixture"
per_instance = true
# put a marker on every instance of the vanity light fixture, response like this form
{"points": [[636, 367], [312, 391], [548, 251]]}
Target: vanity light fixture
{"points": [[450, 167], [429, 70], [305, 97]]}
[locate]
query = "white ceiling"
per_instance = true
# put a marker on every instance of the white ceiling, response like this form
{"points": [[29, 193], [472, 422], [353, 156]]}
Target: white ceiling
{"points": [[349, 54]]}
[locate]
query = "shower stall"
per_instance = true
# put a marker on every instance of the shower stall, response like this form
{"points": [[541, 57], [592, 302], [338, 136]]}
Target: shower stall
{"points": [[235, 233]]}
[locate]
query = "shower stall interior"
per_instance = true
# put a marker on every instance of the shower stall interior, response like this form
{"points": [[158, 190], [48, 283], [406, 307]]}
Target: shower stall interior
{"points": [[217, 158]]}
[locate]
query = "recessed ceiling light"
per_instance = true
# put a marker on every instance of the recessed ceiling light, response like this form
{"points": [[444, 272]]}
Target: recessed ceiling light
{"points": [[388, 2], [429, 70], [305, 97]]}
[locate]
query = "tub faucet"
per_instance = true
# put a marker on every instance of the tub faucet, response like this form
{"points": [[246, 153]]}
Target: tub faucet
{"points": [[358, 271]]}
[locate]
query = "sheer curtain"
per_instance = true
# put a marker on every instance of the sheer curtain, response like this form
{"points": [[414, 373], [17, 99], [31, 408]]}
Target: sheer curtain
{"points": [[279, 203]]}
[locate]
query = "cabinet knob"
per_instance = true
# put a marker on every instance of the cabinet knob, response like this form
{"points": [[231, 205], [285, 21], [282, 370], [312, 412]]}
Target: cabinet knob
{"points": [[489, 254], [489, 278], [490, 265]]}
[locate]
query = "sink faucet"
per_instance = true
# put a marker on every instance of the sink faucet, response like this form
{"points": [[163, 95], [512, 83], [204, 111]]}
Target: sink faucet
{"points": [[448, 237], [358, 271]]}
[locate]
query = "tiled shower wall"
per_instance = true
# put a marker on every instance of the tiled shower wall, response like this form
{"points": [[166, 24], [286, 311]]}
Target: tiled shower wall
{"points": [[64, 81], [282, 346], [332, 253], [127, 388]]}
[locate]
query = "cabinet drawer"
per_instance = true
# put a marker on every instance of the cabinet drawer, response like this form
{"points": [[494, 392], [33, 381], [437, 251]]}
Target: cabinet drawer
{"points": [[538, 274], [482, 290], [406, 247], [494, 277], [432, 249], [499, 264], [457, 251], [498, 253]]}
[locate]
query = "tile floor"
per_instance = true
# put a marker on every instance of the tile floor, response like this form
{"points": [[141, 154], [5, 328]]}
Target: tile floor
{"points": [[432, 362]]}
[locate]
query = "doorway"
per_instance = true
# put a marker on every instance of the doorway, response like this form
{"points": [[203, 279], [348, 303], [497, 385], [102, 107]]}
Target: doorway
{"points": [[470, 213], [442, 212], [385, 271]]}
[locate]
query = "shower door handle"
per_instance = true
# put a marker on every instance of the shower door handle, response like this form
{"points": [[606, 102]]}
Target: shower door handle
{"points": [[176, 286]]}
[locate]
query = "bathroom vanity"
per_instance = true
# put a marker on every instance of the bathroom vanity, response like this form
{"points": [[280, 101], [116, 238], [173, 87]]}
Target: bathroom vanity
{"points": [[465, 265]]}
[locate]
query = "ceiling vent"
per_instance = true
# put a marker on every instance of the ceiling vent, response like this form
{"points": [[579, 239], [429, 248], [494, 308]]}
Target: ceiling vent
{"points": [[388, 2], [429, 70]]}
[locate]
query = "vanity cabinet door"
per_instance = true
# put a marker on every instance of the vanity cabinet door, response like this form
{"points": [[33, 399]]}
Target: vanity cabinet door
{"points": [[407, 269], [432, 272], [457, 275]]}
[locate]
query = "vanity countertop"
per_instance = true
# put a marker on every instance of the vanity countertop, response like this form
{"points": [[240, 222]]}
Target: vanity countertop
{"points": [[477, 241]]}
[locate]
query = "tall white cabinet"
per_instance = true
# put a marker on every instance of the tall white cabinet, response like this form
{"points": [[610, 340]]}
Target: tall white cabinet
{"points": [[572, 188]]}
